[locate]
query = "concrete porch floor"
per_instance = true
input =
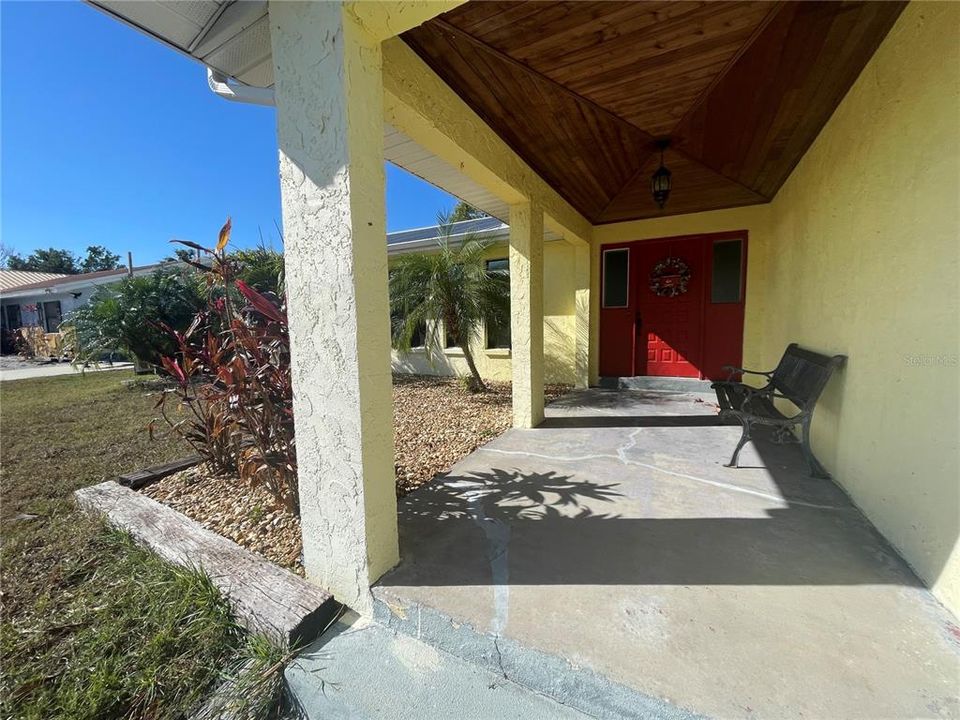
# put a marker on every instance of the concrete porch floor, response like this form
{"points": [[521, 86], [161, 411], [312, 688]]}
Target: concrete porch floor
{"points": [[608, 559]]}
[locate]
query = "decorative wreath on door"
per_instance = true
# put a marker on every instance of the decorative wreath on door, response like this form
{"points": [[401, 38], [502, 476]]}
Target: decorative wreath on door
{"points": [[670, 277]]}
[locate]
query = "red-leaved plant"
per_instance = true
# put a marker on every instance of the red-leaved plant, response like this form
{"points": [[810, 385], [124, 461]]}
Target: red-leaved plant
{"points": [[232, 373]]}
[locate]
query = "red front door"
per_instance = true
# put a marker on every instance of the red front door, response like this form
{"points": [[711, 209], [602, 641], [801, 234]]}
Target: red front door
{"points": [[669, 320], [672, 307]]}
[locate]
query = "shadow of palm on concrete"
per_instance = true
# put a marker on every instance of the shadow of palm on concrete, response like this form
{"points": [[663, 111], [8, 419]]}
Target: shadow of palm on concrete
{"points": [[550, 528]]}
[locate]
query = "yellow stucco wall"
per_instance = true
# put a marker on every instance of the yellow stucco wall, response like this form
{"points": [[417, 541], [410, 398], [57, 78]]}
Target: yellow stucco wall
{"points": [[858, 254], [559, 299], [863, 260]]}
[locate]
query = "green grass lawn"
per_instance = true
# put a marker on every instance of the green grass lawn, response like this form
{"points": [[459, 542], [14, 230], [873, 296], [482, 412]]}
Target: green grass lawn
{"points": [[92, 625]]}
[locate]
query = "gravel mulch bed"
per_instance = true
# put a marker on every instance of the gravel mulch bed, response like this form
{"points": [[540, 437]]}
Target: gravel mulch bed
{"points": [[235, 509], [437, 422]]}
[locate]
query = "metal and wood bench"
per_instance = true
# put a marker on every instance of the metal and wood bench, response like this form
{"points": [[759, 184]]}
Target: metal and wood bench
{"points": [[799, 378]]}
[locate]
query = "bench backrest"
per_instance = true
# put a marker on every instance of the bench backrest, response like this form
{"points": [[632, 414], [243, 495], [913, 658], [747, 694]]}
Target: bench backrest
{"points": [[803, 374]]}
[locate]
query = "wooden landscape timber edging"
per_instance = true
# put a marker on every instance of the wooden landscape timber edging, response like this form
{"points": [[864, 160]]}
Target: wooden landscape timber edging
{"points": [[137, 479], [265, 597]]}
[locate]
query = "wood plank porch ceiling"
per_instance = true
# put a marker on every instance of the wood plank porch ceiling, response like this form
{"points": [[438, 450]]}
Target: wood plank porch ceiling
{"points": [[581, 90]]}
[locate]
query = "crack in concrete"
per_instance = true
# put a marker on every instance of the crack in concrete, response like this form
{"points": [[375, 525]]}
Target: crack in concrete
{"points": [[631, 443], [496, 646]]}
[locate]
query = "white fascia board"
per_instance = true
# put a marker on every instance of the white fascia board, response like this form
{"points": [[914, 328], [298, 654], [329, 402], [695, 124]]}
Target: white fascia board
{"points": [[428, 244]]}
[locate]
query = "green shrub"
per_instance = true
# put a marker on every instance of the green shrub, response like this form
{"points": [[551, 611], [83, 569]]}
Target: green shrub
{"points": [[126, 317], [260, 268]]}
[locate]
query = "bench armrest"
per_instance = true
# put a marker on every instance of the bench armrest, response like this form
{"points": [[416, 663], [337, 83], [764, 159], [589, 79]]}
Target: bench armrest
{"points": [[732, 370]]}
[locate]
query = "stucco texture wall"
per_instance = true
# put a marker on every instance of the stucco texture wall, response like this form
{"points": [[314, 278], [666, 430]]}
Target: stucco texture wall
{"points": [[559, 311], [862, 260], [329, 107]]}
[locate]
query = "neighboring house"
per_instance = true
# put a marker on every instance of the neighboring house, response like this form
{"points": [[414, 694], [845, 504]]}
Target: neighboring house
{"points": [[12, 314], [813, 156], [29, 300]]}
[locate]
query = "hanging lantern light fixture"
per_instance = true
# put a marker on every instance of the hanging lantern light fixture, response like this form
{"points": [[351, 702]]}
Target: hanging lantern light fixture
{"points": [[660, 180]]}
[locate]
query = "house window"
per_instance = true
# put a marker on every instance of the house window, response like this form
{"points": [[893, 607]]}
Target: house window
{"points": [[726, 281], [11, 314], [448, 340], [616, 278], [418, 339], [498, 325], [52, 316]]}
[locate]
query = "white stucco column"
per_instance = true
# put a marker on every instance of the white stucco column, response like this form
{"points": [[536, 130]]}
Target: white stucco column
{"points": [[526, 311], [329, 98], [581, 271]]}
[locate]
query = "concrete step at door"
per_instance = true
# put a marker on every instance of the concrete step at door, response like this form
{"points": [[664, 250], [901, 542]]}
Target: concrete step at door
{"points": [[665, 384]]}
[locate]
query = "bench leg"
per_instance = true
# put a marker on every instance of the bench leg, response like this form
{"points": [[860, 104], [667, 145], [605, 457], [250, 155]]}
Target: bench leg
{"points": [[814, 468], [744, 439]]}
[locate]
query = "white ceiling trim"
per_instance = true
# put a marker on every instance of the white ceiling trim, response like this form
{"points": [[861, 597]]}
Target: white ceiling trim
{"points": [[233, 38]]}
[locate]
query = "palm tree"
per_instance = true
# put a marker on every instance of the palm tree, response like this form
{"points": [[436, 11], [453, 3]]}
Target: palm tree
{"points": [[447, 294]]}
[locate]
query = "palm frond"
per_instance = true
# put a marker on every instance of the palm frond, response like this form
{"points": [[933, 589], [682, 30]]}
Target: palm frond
{"points": [[449, 288]]}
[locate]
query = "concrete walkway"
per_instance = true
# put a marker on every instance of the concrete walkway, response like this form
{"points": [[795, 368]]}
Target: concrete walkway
{"points": [[25, 371], [374, 672], [610, 561]]}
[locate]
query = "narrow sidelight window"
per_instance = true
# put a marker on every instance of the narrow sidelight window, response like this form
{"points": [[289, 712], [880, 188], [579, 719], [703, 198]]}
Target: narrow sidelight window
{"points": [[498, 324], [616, 278], [448, 340], [727, 280]]}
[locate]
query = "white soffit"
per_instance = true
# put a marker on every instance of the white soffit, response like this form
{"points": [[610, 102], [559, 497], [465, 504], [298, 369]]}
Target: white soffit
{"points": [[233, 37], [404, 152]]}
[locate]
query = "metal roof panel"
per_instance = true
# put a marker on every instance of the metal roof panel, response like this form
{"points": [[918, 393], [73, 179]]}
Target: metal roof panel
{"points": [[10, 279], [464, 227]]}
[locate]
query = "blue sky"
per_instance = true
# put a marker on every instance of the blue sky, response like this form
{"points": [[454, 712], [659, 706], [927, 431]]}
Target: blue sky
{"points": [[110, 138]]}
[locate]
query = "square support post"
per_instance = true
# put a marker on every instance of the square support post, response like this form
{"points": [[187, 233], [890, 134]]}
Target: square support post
{"points": [[526, 311], [329, 97], [581, 252]]}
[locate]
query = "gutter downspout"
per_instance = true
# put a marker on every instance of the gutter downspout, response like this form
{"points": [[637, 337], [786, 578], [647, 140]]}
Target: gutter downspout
{"points": [[236, 91]]}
